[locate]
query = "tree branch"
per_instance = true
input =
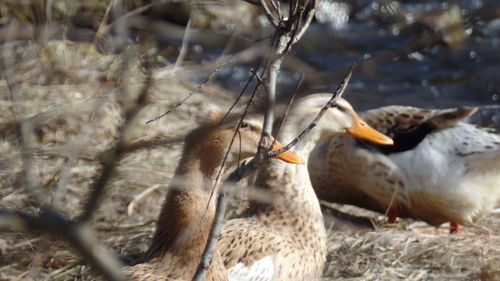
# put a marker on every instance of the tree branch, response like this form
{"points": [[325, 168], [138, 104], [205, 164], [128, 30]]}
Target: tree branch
{"points": [[281, 43], [220, 207], [338, 93], [288, 106], [268, 14], [253, 2], [79, 236], [116, 152]]}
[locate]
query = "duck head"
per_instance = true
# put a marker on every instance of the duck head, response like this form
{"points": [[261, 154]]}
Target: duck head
{"points": [[340, 119], [211, 141]]}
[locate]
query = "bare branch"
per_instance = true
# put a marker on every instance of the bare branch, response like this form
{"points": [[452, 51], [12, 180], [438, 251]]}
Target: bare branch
{"points": [[27, 135], [338, 93], [241, 172], [185, 43], [181, 102], [254, 73], [488, 107], [253, 2], [103, 29], [80, 236], [288, 106], [133, 203], [281, 42], [258, 77], [49, 220], [220, 208], [221, 62], [268, 14], [276, 8], [307, 22], [116, 152]]}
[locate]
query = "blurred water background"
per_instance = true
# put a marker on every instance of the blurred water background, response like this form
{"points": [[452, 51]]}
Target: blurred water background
{"points": [[409, 52], [420, 53]]}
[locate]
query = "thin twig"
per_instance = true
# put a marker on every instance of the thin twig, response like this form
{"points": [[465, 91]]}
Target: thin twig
{"points": [[131, 206], [258, 77], [181, 102], [275, 56], [104, 20], [273, 65], [283, 40], [236, 131], [253, 2], [27, 134], [276, 8], [488, 107], [241, 172], [49, 220], [218, 65], [268, 14], [184, 46], [295, 28], [288, 106], [242, 92], [103, 29], [338, 93], [309, 18], [220, 208], [115, 153]]}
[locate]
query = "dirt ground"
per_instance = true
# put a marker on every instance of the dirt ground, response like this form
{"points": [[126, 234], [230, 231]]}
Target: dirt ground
{"points": [[71, 96]]}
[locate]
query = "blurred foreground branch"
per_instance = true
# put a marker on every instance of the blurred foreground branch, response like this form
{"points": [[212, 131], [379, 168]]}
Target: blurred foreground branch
{"points": [[288, 31], [335, 97], [48, 220], [78, 235], [115, 153]]}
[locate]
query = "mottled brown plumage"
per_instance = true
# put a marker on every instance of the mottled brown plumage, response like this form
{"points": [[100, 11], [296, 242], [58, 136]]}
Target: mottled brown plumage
{"points": [[286, 239], [189, 207]]}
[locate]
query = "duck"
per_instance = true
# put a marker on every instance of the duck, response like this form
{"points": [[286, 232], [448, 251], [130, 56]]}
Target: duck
{"points": [[285, 238], [189, 206], [440, 168]]}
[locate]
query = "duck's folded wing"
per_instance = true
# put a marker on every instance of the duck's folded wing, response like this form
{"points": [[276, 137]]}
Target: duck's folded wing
{"points": [[408, 126]]}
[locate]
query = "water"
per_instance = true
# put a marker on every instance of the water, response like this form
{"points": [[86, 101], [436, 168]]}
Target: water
{"points": [[421, 53]]}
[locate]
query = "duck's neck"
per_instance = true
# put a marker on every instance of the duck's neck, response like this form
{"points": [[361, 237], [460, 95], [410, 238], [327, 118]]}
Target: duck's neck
{"points": [[305, 146], [295, 210], [291, 186], [189, 207]]}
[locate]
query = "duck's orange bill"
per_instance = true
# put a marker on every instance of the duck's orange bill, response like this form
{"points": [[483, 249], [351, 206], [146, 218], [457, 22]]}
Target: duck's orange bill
{"points": [[362, 130], [287, 156]]}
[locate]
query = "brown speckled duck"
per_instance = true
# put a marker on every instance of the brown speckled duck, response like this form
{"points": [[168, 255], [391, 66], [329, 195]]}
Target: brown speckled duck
{"points": [[440, 168], [286, 239], [188, 210]]}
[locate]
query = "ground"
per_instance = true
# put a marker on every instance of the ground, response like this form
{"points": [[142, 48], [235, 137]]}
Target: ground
{"points": [[70, 94]]}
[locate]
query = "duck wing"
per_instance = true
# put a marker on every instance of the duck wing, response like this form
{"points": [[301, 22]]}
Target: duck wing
{"points": [[408, 126], [251, 253]]}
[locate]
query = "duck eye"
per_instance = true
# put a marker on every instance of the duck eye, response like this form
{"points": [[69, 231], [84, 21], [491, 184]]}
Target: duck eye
{"points": [[244, 125]]}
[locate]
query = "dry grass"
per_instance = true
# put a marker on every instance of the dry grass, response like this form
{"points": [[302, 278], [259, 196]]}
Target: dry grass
{"points": [[71, 92], [414, 251]]}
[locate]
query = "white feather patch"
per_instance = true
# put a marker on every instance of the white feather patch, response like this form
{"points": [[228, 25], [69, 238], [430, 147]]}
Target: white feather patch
{"points": [[261, 270]]}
